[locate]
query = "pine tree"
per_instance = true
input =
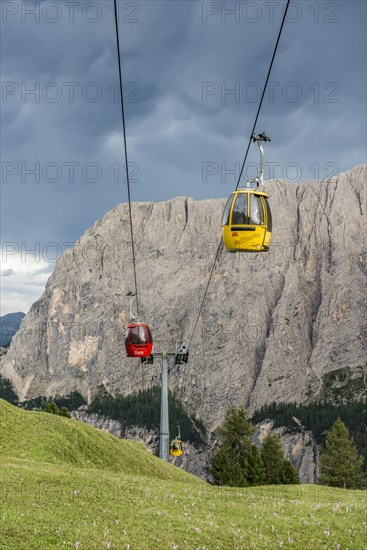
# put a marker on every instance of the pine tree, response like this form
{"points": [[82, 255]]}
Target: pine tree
{"points": [[273, 458], [220, 467], [236, 432], [65, 412], [52, 408], [289, 475], [278, 469], [339, 463], [237, 476], [233, 462], [255, 467]]}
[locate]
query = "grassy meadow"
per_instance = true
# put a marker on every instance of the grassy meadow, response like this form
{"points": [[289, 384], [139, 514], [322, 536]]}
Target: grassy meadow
{"points": [[65, 484]]}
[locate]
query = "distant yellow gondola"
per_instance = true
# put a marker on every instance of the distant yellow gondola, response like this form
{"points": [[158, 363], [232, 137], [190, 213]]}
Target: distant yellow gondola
{"points": [[175, 448], [247, 222]]}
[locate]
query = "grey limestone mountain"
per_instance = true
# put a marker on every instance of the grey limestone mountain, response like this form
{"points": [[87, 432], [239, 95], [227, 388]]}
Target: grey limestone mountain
{"points": [[287, 325]]}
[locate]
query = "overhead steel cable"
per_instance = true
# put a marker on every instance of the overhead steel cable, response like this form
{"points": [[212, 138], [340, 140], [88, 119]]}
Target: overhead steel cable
{"points": [[206, 289], [125, 149], [244, 162], [263, 93]]}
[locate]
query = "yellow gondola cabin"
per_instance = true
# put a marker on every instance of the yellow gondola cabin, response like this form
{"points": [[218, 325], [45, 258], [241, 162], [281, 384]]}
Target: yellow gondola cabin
{"points": [[247, 223], [175, 448]]}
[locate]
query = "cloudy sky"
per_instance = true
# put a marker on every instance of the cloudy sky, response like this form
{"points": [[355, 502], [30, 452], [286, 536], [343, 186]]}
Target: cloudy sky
{"points": [[193, 74]]}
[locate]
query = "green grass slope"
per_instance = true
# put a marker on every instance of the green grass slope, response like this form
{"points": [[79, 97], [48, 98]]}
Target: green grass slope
{"points": [[47, 438], [67, 485]]}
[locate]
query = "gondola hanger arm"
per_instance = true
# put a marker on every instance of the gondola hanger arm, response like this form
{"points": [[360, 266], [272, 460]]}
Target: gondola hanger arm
{"points": [[259, 179]]}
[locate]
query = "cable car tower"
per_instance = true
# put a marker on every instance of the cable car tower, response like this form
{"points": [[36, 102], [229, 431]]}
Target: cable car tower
{"points": [[180, 357]]}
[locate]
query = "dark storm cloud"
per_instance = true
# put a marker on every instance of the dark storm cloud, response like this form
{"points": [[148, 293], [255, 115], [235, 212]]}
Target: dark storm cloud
{"points": [[193, 74]]}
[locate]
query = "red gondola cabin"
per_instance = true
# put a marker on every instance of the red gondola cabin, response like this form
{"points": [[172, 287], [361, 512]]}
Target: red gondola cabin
{"points": [[138, 341]]}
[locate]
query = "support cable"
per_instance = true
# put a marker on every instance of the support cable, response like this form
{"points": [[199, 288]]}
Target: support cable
{"points": [[220, 246], [263, 93], [125, 150]]}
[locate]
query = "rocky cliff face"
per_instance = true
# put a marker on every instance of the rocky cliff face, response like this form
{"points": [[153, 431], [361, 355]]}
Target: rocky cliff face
{"points": [[287, 325]]}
